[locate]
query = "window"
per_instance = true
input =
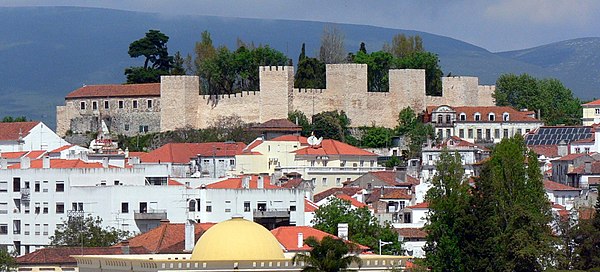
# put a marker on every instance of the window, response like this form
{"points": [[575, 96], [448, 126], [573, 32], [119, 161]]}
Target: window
{"points": [[26, 228], [440, 133], [143, 128], [463, 116], [246, 206], [261, 206], [45, 208], [577, 150], [94, 105], [477, 117], [527, 130], [106, 104], [37, 208], [505, 116], [324, 181], [343, 163], [121, 104], [124, 207], [470, 132], [227, 209], [135, 104], [26, 206], [149, 103], [448, 132], [37, 229], [17, 205], [448, 118], [3, 186], [16, 184], [36, 187], [3, 207], [497, 133], [82, 105], [479, 133], [192, 205], [587, 150], [293, 208], [440, 118], [45, 230], [506, 133], [231, 162], [3, 229], [362, 163], [77, 206], [312, 163], [597, 111], [488, 133], [60, 207], [491, 117], [338, 181], [45, 188], [60, 186], [461, 133], [208, 206], [126, 127]]}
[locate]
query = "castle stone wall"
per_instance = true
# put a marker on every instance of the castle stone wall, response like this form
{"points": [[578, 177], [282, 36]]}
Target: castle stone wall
{"points": [[180, 96], [246, 105]]}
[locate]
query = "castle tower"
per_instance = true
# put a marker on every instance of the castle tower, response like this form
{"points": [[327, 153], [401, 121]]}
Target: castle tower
{"points": [[276, 92], [179, 97], [407, 89]]}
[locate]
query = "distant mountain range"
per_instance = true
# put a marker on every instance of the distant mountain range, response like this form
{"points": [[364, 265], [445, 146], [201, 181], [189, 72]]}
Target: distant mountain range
{"points": [[47, 52]]}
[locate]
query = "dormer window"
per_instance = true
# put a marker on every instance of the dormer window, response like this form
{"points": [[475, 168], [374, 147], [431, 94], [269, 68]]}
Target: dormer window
{"points": [[492, 117], [463, 116], [505, 116], [477, 117]]}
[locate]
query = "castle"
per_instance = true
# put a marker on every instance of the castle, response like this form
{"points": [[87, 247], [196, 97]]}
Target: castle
{"points": [[178, 103]]}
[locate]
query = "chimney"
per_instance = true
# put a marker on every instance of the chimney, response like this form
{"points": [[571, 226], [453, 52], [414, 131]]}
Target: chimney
{"points": [[189, 235], [260, 183], [164, 221], [105, 162], [125, 247], [46, 162], [588, 168], [25, 163], [300, 239], [563, 149], [246, 182], [343, 230]]}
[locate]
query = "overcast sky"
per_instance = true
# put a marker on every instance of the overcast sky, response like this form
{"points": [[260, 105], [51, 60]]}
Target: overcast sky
{"points": [[495, 25]]}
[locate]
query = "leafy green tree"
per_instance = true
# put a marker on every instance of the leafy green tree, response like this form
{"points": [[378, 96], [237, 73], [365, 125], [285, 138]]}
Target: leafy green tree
{"points": [[10, 119], [556, 103], [298, 117], [310, 73], [392, 162], [363, 227], [87, 232], [332, 48], [448, 207], [7, 261], [375, 137], [587, 241], [153, 47], [417, 133], [403, 45], [429, 62], [204, 52], [378, 65], [327, 255], [331, 125]]}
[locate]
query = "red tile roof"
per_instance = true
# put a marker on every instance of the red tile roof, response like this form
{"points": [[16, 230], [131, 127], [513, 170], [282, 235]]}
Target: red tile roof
{"points": [[62, 255], [593, 103], [167, 237], [248, 149], [116, 90], [332, 191], [392, 178], [290, 138], [62, 148], [571, 157], [10, 131], [558, 206], [61, 163], [236, 183], [136, 154], [35, 154], [292, 183], [288, 237], [172, 182], [514, 115], [184, 152], [310, 206], [555, 186], [277, 125], [13, 155], [423, 205], [549, 151], [595, 169], [455, 141], [411, 233], [396, 194], [333, 147], [352, 200]]}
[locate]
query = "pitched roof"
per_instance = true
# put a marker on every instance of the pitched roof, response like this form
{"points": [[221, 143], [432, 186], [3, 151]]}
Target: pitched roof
{"points": [[236, 183], [549, 151], [555, 186], [388, 193], [288, 237], [10, 131], [63, 255], [396, 194], [572, 156], [61, 163], [183, 152], [352, 200], [290, 138], [332, 191], [333, 147], [248, 149], [116, 90], [172, 182], [422, 205], [593, 103], [498, 111], [277, 125], [394, 178], [456, 142], [62, 148], [594, 169], [310, 206], [292, 183], [411, 233], [167, 237], [35, 154], [13, 155]]}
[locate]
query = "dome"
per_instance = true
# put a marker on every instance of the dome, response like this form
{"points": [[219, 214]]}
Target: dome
{"points": [[237, 239]]}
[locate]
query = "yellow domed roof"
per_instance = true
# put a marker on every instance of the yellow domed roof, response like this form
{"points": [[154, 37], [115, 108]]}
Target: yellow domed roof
{"points": [[237, 239]]}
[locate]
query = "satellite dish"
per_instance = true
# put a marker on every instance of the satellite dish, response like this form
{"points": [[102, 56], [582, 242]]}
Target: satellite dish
{"points": [[313, 141]]}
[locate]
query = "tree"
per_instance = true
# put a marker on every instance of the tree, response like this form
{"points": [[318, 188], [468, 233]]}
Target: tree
{"points": [[327, 255], [87, 232], [331, 125], [332, 48], [310, 73], [376, 137], [448, 200], [7, 261], [378, 65], [363, 227], [153, 47], [430, 63], [403, 46], [298, 117], [10, 119], [411, 127], [555, 102], [178, 63], [205, 51], [587, 241]]}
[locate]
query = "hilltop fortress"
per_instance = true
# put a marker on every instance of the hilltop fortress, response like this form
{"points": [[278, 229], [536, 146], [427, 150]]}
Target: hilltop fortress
{"points": [[176, 103]]}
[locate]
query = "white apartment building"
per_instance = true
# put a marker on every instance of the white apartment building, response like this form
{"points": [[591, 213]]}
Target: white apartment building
{"points": [[481, 124], [28, 136]]}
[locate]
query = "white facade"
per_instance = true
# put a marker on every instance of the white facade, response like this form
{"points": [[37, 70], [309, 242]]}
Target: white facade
{"points": [[40, 137]]}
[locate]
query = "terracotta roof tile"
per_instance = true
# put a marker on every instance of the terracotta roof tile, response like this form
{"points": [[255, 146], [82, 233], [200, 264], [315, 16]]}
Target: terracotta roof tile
{"points": [[352, 200], [292, 183], [62, 148], [332, 191], [172, 182], [277, 125], [35, 154], [184, 152], [411, 233], [13, 155], [310, 206], [423, 205], [595, 169], [549, 151], [290, 138], [555, 186], [116, 90], [248, 149], [288, 237], [593, 103], [236, 183], [333, 147], [558, 206], [10, 131], [396, 194], [394, 178], [61, 163], [167, 237], [62, 255], [572, 156], [455, 141]]}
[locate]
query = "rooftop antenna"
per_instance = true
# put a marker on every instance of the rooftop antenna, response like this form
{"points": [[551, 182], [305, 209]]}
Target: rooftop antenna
{"points": [[314, 141]]}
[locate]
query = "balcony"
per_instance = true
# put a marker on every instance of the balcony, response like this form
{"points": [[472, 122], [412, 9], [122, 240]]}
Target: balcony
{"points": [[25, 194], [275, 213], [150, 214], [484, 140], [330, 170]]}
